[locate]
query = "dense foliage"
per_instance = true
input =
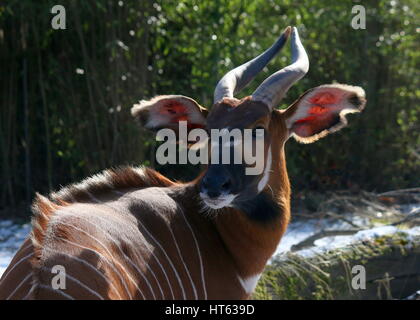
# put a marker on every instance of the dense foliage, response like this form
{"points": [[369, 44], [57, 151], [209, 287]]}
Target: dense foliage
{"points": [[66, 94]]}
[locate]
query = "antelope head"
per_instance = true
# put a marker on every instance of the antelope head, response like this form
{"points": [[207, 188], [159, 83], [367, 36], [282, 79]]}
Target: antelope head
{"points": [[316, 113]]}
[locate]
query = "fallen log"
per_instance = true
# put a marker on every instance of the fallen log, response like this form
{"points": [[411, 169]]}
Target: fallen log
{"points": [[391, 264]]}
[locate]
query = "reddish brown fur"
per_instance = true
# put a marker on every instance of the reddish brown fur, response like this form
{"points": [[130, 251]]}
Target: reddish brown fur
{"points": [[260, 241], [231, 245], [261, 248], [42, 209], [111, 179]]}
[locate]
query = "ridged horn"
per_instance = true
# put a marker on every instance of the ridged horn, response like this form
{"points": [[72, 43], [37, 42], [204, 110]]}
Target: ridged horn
{"points": [[236, 79], [275, 87]]}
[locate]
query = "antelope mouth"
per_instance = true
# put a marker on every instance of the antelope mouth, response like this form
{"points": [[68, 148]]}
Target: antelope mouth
{"points": [[219, 202]]}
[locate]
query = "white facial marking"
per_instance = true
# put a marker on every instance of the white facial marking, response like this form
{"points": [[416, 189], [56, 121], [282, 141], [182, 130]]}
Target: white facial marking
{"points": [[249, 284], [223, 200], [267, 169]]}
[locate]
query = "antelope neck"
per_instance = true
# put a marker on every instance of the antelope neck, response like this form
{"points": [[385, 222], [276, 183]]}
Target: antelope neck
{"points": [[252, 230]]}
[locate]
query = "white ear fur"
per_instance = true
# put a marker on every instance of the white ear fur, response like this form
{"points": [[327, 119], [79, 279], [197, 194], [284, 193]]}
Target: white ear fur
{"points": [[148, 112]]}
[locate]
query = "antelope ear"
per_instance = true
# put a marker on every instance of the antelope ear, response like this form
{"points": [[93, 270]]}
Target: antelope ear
{"points": [[167, 111], [321, 110]]}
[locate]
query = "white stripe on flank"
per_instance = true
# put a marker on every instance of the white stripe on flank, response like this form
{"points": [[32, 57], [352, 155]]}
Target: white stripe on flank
{"points": [[27, 247], [14, 266], [110, 255], [167, 257], [56, 290], [103, 258], [198, 252], [29, 292], [111, 285], [123, 254], [164, 252], [19, 285], [150, 249], [147, 246], [183, 262], [78, 282]]}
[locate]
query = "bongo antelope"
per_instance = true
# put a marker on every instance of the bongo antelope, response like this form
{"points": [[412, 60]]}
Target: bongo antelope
{"points": [[131, 233]]}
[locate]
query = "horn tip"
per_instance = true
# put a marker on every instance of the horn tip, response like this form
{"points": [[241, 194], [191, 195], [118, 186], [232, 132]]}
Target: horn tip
{"points": [[287, 31], [295, 34]]}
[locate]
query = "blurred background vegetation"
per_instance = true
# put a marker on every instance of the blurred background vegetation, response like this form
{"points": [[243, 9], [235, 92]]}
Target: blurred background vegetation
{"points": [[65, 95]]}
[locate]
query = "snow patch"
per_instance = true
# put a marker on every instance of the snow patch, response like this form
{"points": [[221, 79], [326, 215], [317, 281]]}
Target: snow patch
{"points": [[12, 236], [300, 230]]}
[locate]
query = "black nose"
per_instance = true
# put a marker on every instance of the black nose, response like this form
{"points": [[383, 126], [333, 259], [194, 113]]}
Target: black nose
{"points": [[216, 185]]}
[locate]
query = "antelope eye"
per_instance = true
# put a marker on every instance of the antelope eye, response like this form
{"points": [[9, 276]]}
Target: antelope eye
{"points": [[258, 131]]}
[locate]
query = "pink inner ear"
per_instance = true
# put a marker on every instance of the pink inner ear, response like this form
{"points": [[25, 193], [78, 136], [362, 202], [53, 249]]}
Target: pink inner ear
{"points": [[320, 116], [191, 126], [178, 112], [316, 110], [173, 109], [324, 98]]}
